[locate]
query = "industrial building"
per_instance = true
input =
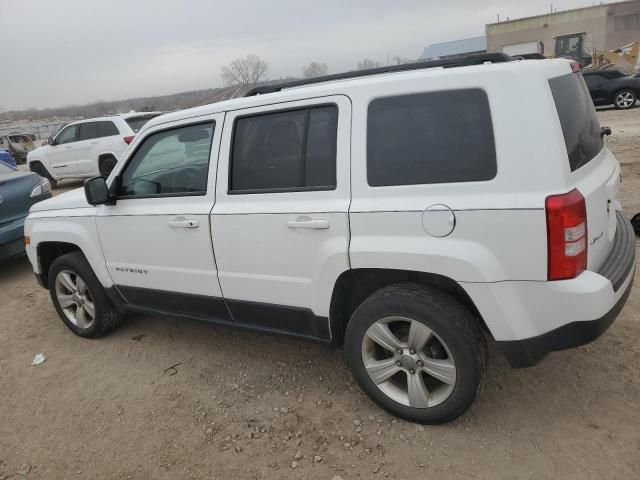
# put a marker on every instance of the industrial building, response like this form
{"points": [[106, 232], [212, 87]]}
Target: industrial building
{"points": [[457, 48], [571, 33]]}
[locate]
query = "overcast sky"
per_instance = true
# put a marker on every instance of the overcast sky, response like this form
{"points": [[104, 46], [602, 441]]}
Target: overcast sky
{"points": [[62, 52]]}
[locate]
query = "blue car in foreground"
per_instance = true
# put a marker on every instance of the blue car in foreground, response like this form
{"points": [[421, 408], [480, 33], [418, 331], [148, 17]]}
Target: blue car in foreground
{"points": [[18, 191]]}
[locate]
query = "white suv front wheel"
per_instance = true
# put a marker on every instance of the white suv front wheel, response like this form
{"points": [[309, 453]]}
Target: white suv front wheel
{"points": [[79, 298], [417, 352]]}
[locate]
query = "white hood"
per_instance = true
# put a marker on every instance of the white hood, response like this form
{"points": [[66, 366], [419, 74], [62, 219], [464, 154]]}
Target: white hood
{"points": [[68, 200]]}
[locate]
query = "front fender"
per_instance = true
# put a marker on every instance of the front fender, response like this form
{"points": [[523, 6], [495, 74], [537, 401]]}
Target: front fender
{"points": [[77, 228]]}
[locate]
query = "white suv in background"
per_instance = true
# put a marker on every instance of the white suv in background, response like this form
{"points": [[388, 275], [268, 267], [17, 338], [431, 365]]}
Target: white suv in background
{"points": [[407, 214], [87, 148]]}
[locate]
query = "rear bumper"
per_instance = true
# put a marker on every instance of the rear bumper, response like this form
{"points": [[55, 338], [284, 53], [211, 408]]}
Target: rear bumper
{"points": [[529, 351], [616, 274]]}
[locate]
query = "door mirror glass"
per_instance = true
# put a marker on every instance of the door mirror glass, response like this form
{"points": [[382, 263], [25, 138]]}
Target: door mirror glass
{"points": [[96, 191]]}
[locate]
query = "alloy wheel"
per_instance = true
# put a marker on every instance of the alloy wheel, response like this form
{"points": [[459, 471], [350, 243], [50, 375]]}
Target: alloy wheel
{"points": [[408, 362], [75, 299], [625, 99]]}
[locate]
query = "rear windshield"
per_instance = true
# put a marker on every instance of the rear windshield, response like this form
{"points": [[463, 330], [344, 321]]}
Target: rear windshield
{"points": [[578, 118], [136, 123]]}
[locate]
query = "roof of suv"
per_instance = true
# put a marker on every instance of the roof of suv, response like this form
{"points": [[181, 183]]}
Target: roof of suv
{"points": [[123, 116], [342, 85]]}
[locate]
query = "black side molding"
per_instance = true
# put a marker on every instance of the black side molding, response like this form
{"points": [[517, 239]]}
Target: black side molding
{"points": [[267, 318]]}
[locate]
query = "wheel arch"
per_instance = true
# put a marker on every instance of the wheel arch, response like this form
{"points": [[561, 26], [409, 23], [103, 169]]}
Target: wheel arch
{"points": [[48, 251], [353, 286], [55, 236]]}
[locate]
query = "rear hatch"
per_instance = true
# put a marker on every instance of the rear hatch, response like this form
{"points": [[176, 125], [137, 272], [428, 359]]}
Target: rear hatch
{"points": [[139, 121], [595, 172]]}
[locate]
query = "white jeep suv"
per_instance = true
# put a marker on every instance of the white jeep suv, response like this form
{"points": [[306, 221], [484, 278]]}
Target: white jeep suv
{"points": [[407, 214], [87, 148]]}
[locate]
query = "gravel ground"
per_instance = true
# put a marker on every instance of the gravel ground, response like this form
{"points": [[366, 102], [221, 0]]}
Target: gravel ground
{"points": [[172, 399]]}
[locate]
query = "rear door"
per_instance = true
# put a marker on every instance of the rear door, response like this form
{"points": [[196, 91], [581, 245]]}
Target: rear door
{"points": [[594, 171], [279, 226], [85, 148]]}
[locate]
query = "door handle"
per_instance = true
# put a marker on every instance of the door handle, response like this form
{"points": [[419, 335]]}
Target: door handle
{"points": [[306, 222], [181, 222]]}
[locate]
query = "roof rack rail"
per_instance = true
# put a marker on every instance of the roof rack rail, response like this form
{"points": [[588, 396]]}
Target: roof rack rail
{"points": [[530, 56], [447, 63]]}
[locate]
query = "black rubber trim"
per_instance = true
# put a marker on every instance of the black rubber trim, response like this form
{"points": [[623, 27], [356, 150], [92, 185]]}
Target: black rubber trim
{"points": [[280, 317], [262, 317], [621, 259], [40, 281], [529, 352], [200, 306]]}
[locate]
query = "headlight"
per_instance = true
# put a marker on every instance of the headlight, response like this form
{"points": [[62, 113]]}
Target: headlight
{"points": [[42, 188]]}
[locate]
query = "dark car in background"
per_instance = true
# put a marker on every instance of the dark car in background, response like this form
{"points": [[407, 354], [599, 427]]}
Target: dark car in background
{"points": [[613, 86], [18, 191]]}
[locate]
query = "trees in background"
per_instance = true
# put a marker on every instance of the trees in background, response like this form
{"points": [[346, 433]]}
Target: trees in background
{"points": [[245, 71], [315, 69], [366, 64]]}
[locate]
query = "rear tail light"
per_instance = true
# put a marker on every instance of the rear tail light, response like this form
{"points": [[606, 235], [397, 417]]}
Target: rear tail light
{"points": [[575, 67], [128, 139], [566, 235]]}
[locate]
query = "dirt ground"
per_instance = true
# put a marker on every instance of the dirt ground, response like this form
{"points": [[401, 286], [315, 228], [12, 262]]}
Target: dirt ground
{"points": [[162, 398]]}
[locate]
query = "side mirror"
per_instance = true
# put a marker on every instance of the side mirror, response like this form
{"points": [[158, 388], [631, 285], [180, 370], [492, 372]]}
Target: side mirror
{"points": [[51, 140], [96, 191]]}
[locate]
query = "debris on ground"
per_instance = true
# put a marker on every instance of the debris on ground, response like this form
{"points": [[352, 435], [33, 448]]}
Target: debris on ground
{"points": [[38, 359], [23, 469]]}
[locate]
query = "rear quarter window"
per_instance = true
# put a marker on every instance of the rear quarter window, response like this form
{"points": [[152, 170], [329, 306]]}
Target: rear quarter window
{"points": [[580, 126], [136, 123], [434, 137]]}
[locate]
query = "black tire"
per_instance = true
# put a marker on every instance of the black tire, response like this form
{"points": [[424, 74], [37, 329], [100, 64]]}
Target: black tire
{"points": [[106, 165], [635, 222], [106, 317], [630, 99], [42, 171], [449, 320]]}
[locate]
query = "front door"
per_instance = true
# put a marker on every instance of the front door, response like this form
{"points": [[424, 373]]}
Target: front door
{"points": [[156, 238], [61, 156], [280, 223]]}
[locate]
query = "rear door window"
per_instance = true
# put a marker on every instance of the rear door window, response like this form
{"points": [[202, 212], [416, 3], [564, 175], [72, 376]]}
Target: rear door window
{"points": [[292, 150], [88, 131], [433, 137], [578, 119]]}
